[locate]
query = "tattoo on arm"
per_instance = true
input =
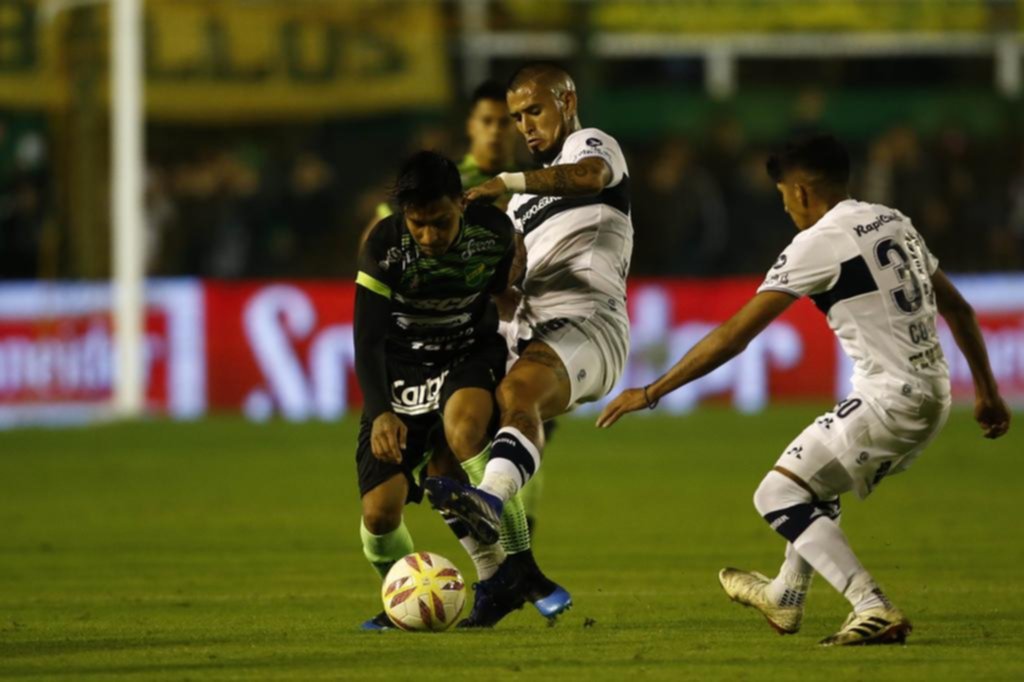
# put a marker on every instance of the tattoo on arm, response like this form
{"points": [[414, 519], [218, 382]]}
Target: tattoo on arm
{"points": [[568, 180]]}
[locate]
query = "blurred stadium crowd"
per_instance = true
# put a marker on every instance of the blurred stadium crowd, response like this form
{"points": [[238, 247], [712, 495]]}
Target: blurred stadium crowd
{"points": [[275, 128], [285, 203]]}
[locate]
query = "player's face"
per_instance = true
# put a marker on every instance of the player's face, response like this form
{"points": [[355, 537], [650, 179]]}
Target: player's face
{"points": [[541, 118], [794, 201], [434, 226], [490, 132]]}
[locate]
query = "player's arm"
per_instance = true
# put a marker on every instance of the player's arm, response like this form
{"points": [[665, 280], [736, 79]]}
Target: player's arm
{"points": [[370, 326], [584, 178], [989, 409], [723, 344]]}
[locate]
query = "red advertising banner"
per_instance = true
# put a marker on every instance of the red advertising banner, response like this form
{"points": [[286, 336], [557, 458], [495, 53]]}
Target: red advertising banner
{"points": [[57, 351], [286, 348], [281, 348], [269, 349]]}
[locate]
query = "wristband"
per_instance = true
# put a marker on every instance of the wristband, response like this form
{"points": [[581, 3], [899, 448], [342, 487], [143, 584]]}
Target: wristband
{"points": [[514, 182], [650, 405]]}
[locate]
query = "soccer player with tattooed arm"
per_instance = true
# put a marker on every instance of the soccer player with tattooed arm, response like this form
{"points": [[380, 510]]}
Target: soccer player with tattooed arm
{"points": [[572, 326], [871, 274]]}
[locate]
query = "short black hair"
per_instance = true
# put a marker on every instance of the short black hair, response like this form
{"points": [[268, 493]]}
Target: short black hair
{"points": [[819, 154], [424, 178], [490, 90], [534, 70]]}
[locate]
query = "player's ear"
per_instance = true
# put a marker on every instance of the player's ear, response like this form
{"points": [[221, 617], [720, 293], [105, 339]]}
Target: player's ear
{"points": [[570, 103], [801, 195]]}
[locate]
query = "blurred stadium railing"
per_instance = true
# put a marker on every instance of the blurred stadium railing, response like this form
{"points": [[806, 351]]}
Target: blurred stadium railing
{"points": [[273, 129]]}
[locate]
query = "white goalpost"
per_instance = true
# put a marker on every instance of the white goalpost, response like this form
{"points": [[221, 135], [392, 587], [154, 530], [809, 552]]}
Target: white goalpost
{"points": [[127, 207], [127, 213]]}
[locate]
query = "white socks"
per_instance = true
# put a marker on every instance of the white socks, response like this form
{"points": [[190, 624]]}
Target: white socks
{"points": [[794, 579], [514, 460], [824, 546]]}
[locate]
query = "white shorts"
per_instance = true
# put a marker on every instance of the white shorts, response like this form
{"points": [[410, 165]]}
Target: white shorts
{"points": [[593, 350], [863, 439]]}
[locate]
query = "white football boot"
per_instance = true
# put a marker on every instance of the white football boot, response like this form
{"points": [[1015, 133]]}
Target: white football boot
{"points": [[750, 589], [882, 625]]}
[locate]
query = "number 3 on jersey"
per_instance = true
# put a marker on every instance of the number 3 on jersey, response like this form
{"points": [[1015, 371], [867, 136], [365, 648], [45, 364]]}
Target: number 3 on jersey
{"points": [[909, 296]]}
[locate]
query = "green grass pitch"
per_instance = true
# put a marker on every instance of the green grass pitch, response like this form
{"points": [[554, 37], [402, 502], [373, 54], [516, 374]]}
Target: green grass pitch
{"points": [[224, 550]]}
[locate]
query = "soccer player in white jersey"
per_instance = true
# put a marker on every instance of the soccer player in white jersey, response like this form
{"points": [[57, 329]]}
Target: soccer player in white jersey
{"points": [[869, 271], [572, 322]]}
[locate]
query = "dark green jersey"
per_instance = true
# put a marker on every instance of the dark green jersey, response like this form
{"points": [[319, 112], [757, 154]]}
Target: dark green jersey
{"points": [[440, 307]]}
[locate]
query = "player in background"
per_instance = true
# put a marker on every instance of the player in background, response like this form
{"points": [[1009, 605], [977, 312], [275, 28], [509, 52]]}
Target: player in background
{"points": [[866, 267], [491, 137], [428, 356], [572, 322]]}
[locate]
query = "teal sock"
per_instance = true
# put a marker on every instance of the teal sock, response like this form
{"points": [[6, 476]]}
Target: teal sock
{"points": [[515, 532], [382, 551]]}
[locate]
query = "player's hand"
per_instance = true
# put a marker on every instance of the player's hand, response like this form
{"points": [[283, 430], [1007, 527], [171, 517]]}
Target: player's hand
{"points": [[993, 416], [488, 191], [628, 401], [388, 437]]}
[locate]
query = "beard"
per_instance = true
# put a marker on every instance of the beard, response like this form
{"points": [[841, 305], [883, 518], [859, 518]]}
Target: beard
{"points": [[551, 153], [546, 156]]}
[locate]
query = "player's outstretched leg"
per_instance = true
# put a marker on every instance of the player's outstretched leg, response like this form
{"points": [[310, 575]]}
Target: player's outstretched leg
{"points": [[486, 557], [479, 511], [384, 535], [548, 597], [536, 387], [788, 505]]}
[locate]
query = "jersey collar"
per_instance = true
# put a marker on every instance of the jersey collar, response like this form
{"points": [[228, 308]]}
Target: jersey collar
{"points": [[831, 213]]}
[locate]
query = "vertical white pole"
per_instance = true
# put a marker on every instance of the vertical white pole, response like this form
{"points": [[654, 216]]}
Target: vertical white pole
{"points": [[127, 210], [720, 71], [1009, 77]]}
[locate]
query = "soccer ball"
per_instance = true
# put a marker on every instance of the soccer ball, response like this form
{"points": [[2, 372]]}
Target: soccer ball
{"points": [[423, 591]]}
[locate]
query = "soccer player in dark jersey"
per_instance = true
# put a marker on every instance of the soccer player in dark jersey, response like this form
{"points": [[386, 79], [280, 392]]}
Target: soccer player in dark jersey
{"points": [[428, 356], [491, 136]]}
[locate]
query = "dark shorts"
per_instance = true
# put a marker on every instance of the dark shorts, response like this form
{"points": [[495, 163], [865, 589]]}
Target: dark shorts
{"points": [[419, 394]]}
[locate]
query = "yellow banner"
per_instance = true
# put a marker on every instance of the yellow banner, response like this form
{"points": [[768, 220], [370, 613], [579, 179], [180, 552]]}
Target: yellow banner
{"points": [[235, 59], [767, 16]]}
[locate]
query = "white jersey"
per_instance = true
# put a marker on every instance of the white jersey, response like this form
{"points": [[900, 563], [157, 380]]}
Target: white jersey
{"points": [[866, 267], [578, 249]]}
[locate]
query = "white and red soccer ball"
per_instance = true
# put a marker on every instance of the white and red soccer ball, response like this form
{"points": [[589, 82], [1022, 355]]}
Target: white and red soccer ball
{"points": [[423, 591]]}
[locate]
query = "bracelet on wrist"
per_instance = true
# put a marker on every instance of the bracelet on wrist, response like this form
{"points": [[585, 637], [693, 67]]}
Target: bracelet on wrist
{"points": [[651, 404]]}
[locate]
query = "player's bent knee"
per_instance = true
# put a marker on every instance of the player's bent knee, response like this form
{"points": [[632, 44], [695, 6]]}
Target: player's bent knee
{"points": [[515, 393], [467, 439], [381, 522], [787, 507]]}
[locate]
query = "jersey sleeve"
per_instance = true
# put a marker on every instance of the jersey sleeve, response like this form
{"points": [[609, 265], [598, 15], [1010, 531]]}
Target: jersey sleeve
{"points": [[377, 272], [591, 142], [510, 213], [930, 261], [807, 266]]}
